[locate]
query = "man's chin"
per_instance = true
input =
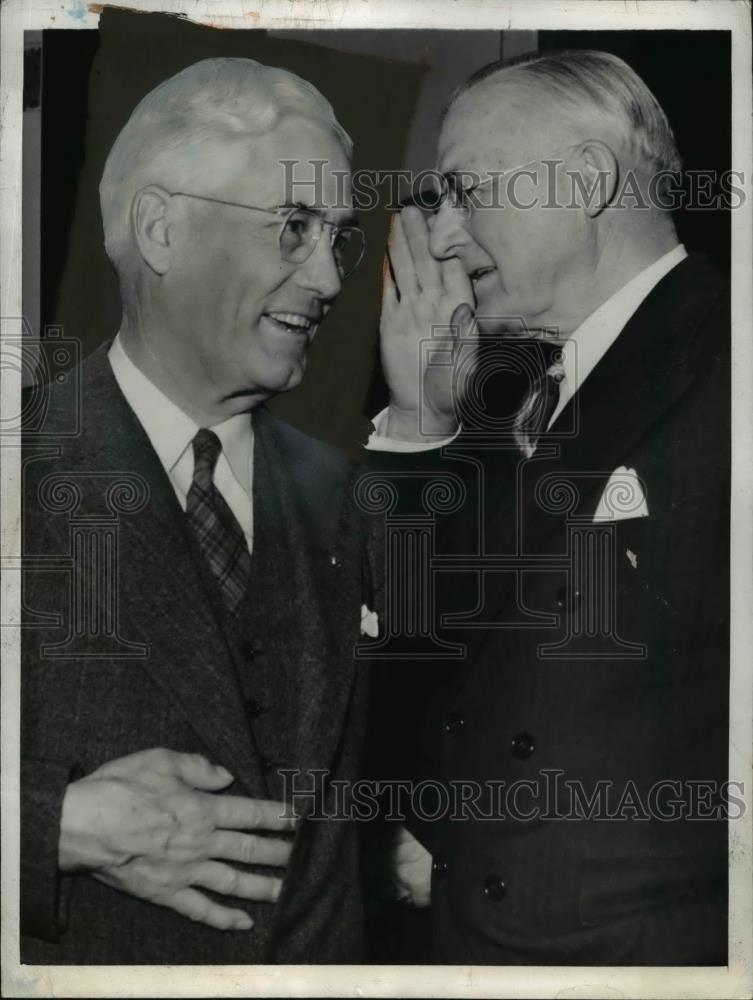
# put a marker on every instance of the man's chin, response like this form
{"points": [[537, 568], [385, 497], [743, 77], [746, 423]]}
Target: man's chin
{"points": [[295, 379], [288, 377], [508, 321], [273, 384], [495, 316], [509, 326]]}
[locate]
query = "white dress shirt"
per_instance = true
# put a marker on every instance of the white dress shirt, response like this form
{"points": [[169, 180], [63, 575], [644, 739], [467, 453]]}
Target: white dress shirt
{"points": [[581, 352], [171, 432]]}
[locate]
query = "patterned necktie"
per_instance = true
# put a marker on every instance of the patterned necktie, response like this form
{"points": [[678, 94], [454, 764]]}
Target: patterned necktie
{"points": [[215, 526], [534, 415]]}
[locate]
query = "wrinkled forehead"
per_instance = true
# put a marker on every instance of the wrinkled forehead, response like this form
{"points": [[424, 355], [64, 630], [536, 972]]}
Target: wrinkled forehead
{"points": [[297, 162], [490, 127]]}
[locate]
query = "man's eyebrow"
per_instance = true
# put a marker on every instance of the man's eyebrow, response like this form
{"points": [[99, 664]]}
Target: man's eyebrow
{"points": [[465, 180], [462, 173], [288, 206]]}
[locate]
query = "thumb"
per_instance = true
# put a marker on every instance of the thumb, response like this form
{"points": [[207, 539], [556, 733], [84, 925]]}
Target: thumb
{"points": [[462, 320], [194, 770], [463, 326]]}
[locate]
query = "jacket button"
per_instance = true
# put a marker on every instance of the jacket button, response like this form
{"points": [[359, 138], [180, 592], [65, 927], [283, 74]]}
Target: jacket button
{"points": [[253, 708], [454, 725], [567, 597], [250, 649], [495, 888], [439, 867], [522, 745]]}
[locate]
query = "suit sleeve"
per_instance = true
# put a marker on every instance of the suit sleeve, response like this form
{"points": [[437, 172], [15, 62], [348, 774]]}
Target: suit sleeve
{"points": [[401, 740], [43, 891], [44, 775], [402, 471]]}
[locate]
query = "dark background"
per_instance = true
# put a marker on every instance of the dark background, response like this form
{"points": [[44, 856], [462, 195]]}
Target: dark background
{"points": [[91, 80], [691, 77], [377, 83]]}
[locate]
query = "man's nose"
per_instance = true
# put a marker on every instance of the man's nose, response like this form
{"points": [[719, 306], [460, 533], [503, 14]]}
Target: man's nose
{"points": [[319, 273], [447, 234]]}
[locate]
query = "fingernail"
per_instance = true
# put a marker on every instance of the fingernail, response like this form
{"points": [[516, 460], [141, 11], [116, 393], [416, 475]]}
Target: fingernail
{"points": [[223, 772], [244, 924]]}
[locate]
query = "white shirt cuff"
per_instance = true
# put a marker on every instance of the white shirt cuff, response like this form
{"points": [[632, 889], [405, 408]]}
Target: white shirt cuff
{"points": [[378, 441]]}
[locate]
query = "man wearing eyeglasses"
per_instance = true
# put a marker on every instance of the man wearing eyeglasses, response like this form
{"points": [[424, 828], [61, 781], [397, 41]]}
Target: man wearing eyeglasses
{"points": [[214, 651], [585, 732]]}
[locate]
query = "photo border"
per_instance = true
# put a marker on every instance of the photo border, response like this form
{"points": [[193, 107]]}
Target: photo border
{"points": [[732, 981]]}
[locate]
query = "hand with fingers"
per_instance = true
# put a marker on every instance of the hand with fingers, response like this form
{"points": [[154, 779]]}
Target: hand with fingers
{"points": [[422, 294], [152, 825], [410, 866]]}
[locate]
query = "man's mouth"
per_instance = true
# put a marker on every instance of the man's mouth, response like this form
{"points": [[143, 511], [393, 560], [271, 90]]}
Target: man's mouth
{"points": [[479, 273], [293, 322]]}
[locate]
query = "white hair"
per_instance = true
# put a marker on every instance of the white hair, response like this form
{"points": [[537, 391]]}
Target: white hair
{"points": [[223, 99], [590, 88]]}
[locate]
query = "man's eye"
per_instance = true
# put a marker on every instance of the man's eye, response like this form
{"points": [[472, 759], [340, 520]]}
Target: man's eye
{"points": [[456, 191], [298, 225], [343, 239]]}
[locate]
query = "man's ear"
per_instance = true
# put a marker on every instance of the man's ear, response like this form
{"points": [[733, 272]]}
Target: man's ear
{"points": [[599, 172], [149, 225]]}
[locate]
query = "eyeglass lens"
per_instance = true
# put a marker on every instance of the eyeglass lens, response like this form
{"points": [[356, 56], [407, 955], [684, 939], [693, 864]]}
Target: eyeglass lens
{"points": [[433, 191], [303, 230]]}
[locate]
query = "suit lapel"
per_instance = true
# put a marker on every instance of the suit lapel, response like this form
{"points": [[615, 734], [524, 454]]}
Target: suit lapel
{"points": [[162, 594], [653, 362], [299, 556]]}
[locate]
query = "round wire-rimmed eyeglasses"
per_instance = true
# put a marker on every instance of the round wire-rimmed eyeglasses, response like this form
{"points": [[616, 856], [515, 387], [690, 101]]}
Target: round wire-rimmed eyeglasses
{"points": [[301, 229], [465, 200]]}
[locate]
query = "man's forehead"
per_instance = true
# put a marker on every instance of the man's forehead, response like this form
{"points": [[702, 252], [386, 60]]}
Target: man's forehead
{"points": [[484, 129], [274, 170]]}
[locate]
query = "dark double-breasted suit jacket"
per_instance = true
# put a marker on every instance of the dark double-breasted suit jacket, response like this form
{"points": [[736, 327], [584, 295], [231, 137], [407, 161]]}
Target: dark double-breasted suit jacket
{"points": [[602, 657], [124, 649]]}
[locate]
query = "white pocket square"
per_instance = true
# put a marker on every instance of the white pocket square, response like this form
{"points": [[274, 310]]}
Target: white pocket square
{"points": [[624, 497], [369, 622]]}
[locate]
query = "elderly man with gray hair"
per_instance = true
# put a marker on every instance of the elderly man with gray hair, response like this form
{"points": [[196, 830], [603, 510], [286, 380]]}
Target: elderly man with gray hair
{"points": [[583, 740], [189, 660]]}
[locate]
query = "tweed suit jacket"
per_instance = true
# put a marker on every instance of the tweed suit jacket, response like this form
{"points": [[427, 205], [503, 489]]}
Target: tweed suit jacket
{"points": [[124, 650], [538, 702]]}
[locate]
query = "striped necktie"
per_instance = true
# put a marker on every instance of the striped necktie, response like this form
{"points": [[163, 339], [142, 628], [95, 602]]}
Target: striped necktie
{"points": [[532, 420], [216, 528]]}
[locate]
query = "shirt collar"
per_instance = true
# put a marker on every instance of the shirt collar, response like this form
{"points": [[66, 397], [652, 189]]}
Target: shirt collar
{"points": [[169, 429], [588, 344], [236, 435]]}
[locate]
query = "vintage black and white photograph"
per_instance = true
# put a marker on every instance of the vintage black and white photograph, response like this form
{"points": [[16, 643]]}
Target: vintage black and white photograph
{"points": [[376, 499]]}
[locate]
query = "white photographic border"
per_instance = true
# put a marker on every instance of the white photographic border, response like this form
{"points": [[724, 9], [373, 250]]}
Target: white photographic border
{"points": [[733, 981]]}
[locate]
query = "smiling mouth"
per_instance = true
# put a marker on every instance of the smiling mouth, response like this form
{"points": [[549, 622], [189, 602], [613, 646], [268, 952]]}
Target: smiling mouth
{"points": [[479, 273], [292, 322]]}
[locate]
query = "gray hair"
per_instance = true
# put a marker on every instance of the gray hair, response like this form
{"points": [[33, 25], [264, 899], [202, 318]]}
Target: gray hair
{"points": [[591, 86], [224, 99]]}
